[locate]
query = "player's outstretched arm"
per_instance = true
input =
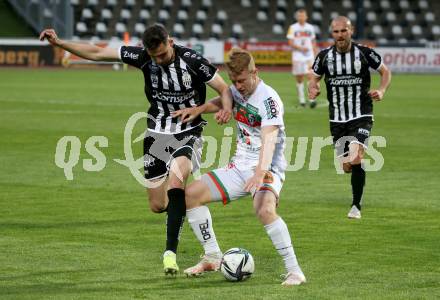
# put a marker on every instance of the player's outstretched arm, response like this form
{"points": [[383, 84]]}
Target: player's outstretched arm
{"points": [[385, 80], [220, 86], [269, 135], [87, 51], [188, 114]]}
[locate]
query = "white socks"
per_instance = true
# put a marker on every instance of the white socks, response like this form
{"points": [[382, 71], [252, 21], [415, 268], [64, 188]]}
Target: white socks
{"points": [[300, 89], [279, 234], [199, 218]]}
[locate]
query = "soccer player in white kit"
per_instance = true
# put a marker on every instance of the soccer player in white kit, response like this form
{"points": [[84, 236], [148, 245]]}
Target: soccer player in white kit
{"points": [[257, 167], [301, 37]]}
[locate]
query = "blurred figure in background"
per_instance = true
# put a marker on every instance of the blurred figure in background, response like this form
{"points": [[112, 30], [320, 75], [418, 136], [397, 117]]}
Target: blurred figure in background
{"points": [[301, 37]]}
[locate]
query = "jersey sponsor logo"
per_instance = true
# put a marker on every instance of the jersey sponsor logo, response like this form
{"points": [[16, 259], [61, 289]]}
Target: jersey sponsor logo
{"points": [[345, 81], [306, 33], [148, 162], [268, 177], [173, 97], [130, 55], [375, 57], [187, 54], [272, 108], [205, 70], [154, 80], [186, 79], [247, 115], [363, 132]]}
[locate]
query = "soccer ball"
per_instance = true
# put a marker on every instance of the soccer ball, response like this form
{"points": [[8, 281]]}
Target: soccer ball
{"points": [[237, 264]]}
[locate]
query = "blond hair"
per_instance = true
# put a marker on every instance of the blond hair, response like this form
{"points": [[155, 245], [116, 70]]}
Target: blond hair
{"points": [[239, 60]]}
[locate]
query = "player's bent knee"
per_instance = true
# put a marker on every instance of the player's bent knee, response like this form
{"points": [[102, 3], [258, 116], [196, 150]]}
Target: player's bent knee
{"points": [[157, 207], [346, 167]]}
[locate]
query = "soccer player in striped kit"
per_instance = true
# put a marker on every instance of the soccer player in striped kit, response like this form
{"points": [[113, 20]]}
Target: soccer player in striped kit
{"points": [[345, 66], [175, 78]]}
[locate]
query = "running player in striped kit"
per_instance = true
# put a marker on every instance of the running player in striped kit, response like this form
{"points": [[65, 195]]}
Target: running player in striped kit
{"points": [[345, 66], [175, 78]]}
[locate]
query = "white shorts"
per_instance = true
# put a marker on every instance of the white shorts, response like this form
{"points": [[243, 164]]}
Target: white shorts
{"points": [[301, 67], [228, 183]]}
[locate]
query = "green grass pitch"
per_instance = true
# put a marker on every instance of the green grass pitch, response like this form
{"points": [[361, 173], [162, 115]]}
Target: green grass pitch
{"points": [[95, 238]]}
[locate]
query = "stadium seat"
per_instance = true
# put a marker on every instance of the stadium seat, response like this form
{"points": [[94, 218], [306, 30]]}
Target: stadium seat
{"points": [[264, 5], [129, 4], [316, 18], [317, 30], [246, 3], [300, 4], [371, 17], [280, 17], [333, 14], [197, 30], [92, 3], [404, 4], [367, 4], [81, 28], [352, 16], [397, 32], [106, 15], [74, 2], [389, 18], [277, 29], [182, 16], [436, 32], [262, 16], [346, 4], [221, 17], [111, 3], [86, 14], [125, 15], [201, 16], [385, 5], [186, 5], [423, 4], [216, 30], [282, 5], [139, 29], [163, 16], [167, 4], [120, 28], [237, 31], [101, 29], [410, 17], [377, 30], [206, 5], [317, 5], [429, 17], [178, 30], [144, 15], [417, 31], [148, 4]]}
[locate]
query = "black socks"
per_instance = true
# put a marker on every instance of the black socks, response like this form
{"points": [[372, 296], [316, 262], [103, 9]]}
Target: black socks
{"points": [[357, 184], [175, 218]]}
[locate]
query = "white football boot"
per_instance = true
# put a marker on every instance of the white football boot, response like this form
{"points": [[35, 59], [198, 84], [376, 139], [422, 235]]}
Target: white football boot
{"points": [[293, 278], [209, 263], [354, 213]]}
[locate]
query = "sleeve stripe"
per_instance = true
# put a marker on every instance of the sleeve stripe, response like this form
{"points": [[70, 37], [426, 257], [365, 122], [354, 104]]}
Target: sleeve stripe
{"points": [[119, 53]]}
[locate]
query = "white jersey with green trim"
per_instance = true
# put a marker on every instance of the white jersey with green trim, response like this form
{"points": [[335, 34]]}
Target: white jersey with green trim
{"points": [[263, 108]]}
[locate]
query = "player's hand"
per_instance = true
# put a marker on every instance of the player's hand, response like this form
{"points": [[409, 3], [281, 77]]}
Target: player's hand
{"points": [[255, 182], [223, 116], [187, 114], [376, 95], [313, 91], [50, 35]]}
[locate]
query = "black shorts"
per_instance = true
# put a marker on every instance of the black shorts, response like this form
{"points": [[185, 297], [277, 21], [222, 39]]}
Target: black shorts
{"points": [[160, 149], [356, 131]]}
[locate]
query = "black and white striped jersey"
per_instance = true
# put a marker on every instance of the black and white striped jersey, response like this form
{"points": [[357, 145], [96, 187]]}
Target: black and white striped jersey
{"points": [[347, 78], [169, 88]]}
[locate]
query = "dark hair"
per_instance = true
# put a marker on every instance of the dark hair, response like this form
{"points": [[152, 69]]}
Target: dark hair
{"points": [[154, 35]]}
